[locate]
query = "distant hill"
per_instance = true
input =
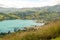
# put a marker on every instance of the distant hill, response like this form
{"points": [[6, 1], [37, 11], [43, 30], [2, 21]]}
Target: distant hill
{"points": [[54, 8], [36, 13], [49, 8], [8, 10]]}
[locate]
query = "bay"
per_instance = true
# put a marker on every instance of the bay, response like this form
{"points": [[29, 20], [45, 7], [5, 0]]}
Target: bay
{"points": [[9, 25]]}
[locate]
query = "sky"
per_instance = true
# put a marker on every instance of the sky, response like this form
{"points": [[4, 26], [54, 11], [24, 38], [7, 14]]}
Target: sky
{"points": [[27, 3]]}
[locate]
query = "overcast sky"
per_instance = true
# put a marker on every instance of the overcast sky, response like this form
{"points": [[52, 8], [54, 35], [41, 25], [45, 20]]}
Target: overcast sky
{"points": [[28, 3]]}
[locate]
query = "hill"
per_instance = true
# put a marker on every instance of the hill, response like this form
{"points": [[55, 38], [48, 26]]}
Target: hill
{"points": [[49, 8], [47, 13]]}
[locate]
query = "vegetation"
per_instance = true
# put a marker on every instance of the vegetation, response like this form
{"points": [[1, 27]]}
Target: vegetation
{"points": [[50, 31], [46, 32], [43, 13], [58, 38]]}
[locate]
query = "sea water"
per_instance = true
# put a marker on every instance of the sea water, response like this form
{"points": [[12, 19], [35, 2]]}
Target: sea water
{"points": [[9, 25]]}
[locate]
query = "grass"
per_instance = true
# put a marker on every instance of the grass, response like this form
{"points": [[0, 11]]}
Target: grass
{"points": [[58, 38], [46, 32]]}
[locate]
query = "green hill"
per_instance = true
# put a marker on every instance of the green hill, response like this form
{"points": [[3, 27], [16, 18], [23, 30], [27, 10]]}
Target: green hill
{"points": [[43, 13]]}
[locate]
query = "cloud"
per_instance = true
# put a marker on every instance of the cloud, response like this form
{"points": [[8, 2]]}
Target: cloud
{"points": [[1, 4], [27, 3], [58, 1]]}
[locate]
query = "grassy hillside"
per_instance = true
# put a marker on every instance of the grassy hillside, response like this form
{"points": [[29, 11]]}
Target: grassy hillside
{"points": [[46, 32], [43, 13], [58, 38], [31, 15]]}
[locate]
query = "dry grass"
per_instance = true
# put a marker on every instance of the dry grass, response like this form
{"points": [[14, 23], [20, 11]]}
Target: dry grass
{"points": [[46, 32]]}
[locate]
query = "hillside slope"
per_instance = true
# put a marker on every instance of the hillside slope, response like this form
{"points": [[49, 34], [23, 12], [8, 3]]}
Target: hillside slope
{"points": [[46, 32], [43, 13]]}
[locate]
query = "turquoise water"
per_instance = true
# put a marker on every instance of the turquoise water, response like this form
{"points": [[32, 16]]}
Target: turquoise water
{"points": [[9, 25]]}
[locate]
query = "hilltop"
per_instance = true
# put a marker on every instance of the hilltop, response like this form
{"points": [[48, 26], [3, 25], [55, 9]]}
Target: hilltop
{"points": [[49, 8]]}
